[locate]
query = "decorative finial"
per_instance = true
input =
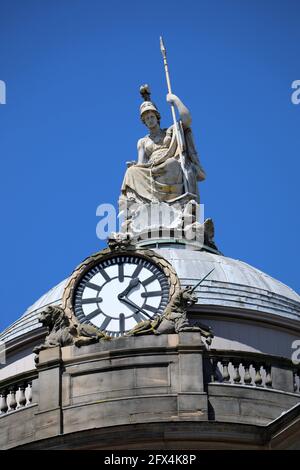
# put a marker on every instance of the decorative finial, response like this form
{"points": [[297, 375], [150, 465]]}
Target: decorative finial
{"points": [[145, 92]]}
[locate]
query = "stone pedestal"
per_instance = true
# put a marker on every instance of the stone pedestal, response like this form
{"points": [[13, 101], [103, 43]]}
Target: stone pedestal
{"points": [[133, 380]]}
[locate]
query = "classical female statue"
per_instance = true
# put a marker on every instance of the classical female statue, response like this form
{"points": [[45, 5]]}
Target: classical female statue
{"points": [[166, 170], [159, 194]]}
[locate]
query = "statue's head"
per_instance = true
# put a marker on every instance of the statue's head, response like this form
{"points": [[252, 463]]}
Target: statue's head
{"points": [[147, 108], [188, 296], [52, 316]]}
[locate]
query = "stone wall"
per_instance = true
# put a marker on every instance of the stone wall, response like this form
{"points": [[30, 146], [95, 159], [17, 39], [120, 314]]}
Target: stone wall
{"points": [[162, 386]]}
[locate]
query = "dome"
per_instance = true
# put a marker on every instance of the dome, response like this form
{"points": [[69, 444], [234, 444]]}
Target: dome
{"points": [[233, 284]]}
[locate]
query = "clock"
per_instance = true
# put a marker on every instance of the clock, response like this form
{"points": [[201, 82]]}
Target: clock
{"points": [[120, 291]]}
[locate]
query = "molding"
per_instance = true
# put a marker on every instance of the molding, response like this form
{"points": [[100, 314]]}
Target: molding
{"points": [[24, 341], [218, 312], [164, 435]]}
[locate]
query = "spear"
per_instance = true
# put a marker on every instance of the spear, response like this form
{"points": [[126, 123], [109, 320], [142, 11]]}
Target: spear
{"points": [[164, 54], [203, 279]]}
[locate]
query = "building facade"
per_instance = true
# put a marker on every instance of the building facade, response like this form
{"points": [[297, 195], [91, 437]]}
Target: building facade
{"points": [[169, 390], [158, 341]]}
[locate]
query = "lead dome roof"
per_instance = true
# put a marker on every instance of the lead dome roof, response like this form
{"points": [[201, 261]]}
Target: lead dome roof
{"points": [[233, 284]]}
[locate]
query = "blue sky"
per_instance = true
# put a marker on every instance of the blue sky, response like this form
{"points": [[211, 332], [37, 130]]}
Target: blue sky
{"points": [[73, 70]]}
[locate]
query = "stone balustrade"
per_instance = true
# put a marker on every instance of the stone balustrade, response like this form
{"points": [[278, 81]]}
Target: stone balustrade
{"points": [[16, 393], [254, 369]]}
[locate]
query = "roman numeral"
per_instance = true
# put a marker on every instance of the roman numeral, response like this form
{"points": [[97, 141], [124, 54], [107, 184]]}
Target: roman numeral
{"points": [[104, 274], [121, 272], [91, 300], [150, 308], [93, 286], [149, 280], [105, 323], [93, 314], [122, 323], [156, 293], [137, 271], [139, 317]]}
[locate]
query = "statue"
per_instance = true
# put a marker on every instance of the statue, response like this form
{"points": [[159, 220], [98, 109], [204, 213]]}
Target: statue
{"points": [[166, 173], [160, 189], [174, 319], [163, 173], [62, 331]]}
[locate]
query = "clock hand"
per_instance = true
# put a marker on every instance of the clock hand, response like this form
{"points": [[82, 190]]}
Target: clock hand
{"points": [[133, 283], [132, 304]]}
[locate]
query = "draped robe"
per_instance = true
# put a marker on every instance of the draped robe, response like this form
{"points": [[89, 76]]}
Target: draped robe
{"points": [[165, 177]]}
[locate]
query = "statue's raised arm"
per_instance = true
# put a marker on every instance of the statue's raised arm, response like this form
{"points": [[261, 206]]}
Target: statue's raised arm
{"points": [[184, 113]]}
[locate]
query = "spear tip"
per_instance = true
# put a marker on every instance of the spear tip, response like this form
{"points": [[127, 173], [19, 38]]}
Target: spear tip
{"points": [[162, 46]]}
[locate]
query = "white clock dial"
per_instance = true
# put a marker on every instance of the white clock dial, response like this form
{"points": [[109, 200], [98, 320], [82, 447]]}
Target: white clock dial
{"points": [[120, 292]]}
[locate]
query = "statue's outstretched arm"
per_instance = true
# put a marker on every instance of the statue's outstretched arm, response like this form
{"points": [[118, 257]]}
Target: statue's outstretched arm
{"points": [[185, 115]]}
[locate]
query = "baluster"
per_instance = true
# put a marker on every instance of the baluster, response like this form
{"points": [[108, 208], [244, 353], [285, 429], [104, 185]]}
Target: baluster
{"points": [[236, 372], [3, 402], [12, 401], [247, 376], [214, 365], [29, 394], [225, 373], [21, 399], [258, 377], [295, 380], [268, 381]]}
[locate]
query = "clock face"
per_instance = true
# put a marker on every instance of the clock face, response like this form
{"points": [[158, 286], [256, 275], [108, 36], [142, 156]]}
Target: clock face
{"points": [[120, 292]]}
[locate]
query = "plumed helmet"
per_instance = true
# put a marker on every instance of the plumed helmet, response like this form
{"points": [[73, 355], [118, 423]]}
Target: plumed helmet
{"points": [[147, 105]]}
